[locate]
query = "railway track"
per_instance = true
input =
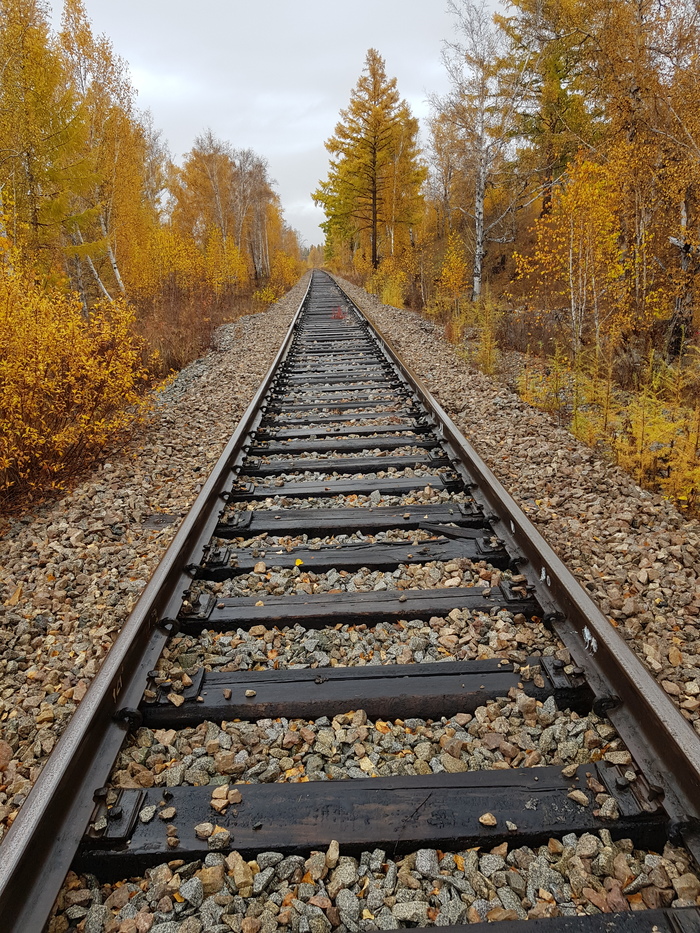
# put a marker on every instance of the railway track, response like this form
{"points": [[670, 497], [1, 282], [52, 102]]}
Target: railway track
{"points": [[357, 646]]}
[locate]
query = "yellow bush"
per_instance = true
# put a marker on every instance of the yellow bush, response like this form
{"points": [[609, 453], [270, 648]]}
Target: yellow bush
{"points": [[68, 383], [284, 272], [652, 433]]}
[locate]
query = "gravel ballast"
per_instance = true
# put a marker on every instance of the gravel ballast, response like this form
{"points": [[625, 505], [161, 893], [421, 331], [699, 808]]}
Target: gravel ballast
{"points": [[512, 732], [73, 569], [78, 567], [634, 553], [579, 874]]}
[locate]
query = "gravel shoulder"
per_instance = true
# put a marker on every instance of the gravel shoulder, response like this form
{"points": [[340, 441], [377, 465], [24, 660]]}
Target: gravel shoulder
{"points": [[634, 553], [73, 569]]}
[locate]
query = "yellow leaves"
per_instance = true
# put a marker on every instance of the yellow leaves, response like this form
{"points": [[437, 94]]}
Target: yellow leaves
{"points": [[454, 272], [578, 257], [16, 596], [66, 382]]}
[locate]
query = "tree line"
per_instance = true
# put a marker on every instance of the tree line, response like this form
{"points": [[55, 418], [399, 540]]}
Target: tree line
{"points": [[566, 151], [89, 193], [115, 263], [554, 205]]}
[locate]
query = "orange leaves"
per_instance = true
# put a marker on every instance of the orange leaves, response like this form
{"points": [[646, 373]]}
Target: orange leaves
{"points": [[65, 381]]}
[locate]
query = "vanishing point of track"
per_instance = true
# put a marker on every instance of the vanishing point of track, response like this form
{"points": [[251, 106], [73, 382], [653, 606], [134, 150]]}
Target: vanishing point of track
{"points": [[342, 441]]}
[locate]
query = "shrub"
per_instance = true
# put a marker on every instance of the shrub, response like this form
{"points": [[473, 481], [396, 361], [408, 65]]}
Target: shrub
{"points": [[69, 382]]}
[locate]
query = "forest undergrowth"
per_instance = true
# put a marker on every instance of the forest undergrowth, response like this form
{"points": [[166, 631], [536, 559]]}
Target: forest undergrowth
{"points": [[643, 415], [76, 385]]}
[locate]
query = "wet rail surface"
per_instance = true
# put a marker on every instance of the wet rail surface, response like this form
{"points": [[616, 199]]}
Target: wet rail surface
{"points": [[344, 469]]}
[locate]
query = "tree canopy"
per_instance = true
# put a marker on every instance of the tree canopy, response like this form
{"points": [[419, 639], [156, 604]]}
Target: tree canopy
{"points": [[372, 195]]}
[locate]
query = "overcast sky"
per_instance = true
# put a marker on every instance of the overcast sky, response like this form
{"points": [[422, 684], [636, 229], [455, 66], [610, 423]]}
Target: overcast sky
{"points": [[272, 75]]}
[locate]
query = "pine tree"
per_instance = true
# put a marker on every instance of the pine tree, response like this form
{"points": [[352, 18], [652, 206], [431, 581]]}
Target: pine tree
{"points": [[543, 62], [373, 186]]}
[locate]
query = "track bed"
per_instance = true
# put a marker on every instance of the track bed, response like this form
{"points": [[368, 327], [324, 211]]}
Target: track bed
{"points": [[361, 693]]}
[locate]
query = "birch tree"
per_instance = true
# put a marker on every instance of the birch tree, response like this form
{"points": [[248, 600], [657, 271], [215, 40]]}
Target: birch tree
{"points": [[481, 116], [42, 131]]}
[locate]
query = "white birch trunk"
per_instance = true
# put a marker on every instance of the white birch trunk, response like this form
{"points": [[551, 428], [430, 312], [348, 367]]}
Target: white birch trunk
{"points": [[112, 258]]}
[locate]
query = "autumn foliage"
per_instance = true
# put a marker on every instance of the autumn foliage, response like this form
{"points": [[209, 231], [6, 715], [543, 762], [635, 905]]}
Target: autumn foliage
{"points": [[561, 216], [67, 382], [115, 264], [372, 196]]}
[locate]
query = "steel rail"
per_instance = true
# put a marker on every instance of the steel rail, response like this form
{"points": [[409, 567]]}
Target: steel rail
{"points": [[659, 738], [41, 843]]}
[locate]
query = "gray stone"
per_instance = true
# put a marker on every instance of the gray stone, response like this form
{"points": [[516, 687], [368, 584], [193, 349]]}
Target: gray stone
{"points": [[541, 875], [192, 891], [268, 859], [376, 860], [211, 859], [388, 882], [319, 923], [482, 906], [374, 899], [517, 883], [453, 912], [348, 905], [411, 912], [270, 774], [511, 901], [174, 776], [459, 884], [427, 863], [385, 920], [588, 846], [286, 868], [262, 879], [96, 918], [488, 864], [344, 875], [210, 914]]}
